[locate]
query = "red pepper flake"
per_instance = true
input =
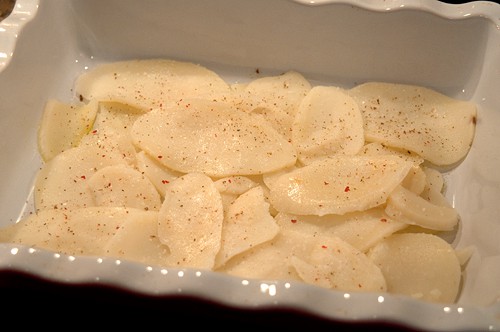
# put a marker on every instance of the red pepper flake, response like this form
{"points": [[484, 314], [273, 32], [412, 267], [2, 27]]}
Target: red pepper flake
{"points": [[347, 189], [94, 131], [165, 181], [293, 221], [159, 157], [383, 220], [324, 247], [83, 177]]}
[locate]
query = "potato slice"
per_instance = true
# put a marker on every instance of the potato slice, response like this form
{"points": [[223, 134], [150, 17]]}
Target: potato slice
{"points": [[116, 116], [63, 125], [150, 83], [122, 185], [415, 181], [419, 119], [236, 185], [334, 263], [157, 173], [376, 149], [269, 260], [328, 122], [212, 138], [361, 230], [419, 265], [137, 240], [247, 223], [62, 182], [277, 98], [190, 221], [338, 185], [406, 206], [434, 179], [78, 231]]}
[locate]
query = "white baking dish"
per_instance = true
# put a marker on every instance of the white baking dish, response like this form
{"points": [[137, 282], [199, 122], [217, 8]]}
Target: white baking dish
{"points": [[454, 49]]}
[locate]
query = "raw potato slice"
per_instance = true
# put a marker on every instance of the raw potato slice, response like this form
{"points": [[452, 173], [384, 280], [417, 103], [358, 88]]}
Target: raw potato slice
{"points": [[63, 125], [376, 149], [79, 231], [420, 265], [362, 230], [328, 122], [121, 185], [338, 185], [247, 223], [269, 260], [109, 141], [137, 240], [151, 83], [334, 263], [434, 179], [61, 183], [406, 206], [212, 138], [157, 173], [415, 181], [277, 98], [117, 117], [236, 185], [190, 221], [435, 126]]}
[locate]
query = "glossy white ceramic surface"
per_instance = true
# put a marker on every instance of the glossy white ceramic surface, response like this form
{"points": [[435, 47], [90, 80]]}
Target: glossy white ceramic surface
{"points": [[455, 49]]}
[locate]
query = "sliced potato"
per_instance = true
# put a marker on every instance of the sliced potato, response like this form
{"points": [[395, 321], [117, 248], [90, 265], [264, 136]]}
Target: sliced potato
{"points": [[157, 173], [116, 116], [361, 230], [150, 83], [419, 119], [269, 260], [408, 207], [78, 231], [247, 223], [62, 183], [277, 98], [328, 122], [236, 185], [415, 181], [190, 221], [122, 185], [338, 185], [212, 138], [137, 240], [420, 265], [63, 125], [376, 148], [334, 263]]}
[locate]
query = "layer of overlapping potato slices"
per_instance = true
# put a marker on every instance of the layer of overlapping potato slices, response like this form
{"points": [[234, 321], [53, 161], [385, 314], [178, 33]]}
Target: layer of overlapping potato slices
{"points": [[164, 162]]}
